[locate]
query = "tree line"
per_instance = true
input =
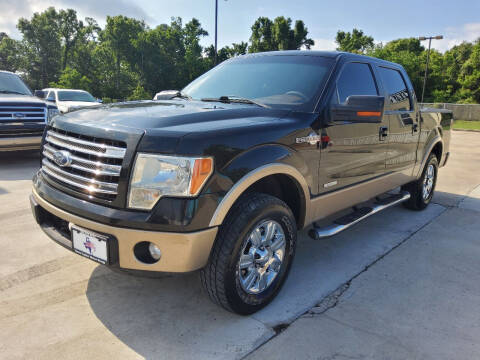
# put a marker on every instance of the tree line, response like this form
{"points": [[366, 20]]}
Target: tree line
{"points": [[126, 59]]}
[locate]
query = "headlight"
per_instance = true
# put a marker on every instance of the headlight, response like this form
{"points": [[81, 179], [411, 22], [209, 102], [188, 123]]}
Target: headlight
{"points": [[51, 112], [155, 176]]}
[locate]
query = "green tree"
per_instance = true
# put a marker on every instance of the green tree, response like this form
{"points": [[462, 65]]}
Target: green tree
{"points": [[69, 29], [469, 77], [42, 47], [225, 53], [10, 53], [140, 94], [262, 36], [194, 64], [117, 39], [268, 35], [82, 55], [407, 52], [355, 41], [72, 79]]}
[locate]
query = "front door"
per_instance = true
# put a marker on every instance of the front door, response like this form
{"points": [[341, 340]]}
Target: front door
{"points": [[352, 152]]}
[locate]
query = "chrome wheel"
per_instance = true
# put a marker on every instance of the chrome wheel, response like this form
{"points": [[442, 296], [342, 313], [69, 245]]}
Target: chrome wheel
{"points": [[428, 182], [261, 257]]}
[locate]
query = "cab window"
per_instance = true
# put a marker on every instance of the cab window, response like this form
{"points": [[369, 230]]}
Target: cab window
{"points": [[355, 79], [396, 88]]}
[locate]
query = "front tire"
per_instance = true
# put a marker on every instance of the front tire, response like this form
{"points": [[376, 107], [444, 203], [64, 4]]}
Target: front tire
{"points": [[421, 191], [252, 255]]}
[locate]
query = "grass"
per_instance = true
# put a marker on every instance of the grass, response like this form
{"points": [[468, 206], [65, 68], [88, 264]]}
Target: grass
{"points": [[466, 125]]}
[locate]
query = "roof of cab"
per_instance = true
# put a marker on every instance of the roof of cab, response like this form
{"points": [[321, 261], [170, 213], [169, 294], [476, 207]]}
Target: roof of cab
{"points": [[329, 54]]}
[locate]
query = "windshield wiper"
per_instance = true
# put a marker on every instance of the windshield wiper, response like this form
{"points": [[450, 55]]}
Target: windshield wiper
{"points": [[11, 92], [235, 99], [182, 96]]}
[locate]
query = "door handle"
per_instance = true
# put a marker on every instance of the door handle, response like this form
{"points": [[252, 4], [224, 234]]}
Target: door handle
{"points": [[383, 133]]}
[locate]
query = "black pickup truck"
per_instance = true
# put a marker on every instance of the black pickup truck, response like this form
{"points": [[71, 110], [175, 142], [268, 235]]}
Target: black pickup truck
{"points": [[22, 116], [220, 177]]}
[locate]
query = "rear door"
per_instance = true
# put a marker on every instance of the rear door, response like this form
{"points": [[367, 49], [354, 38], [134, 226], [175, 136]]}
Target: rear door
{"points": [[402, 120], [352, 152]]}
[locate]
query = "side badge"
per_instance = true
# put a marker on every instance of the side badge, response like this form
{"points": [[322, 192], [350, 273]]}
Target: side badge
{"points": [[312, 139]]}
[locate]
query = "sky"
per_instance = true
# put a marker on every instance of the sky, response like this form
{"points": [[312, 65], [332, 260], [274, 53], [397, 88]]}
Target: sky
{"points": [[456, 20]]}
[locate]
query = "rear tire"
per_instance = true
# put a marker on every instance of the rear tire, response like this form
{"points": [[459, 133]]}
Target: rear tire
{"points": [[421, 191], [252, 254]]}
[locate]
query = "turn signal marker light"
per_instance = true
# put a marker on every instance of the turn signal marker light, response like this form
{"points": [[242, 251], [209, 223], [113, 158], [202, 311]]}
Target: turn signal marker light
{"points": [[369, 113], [201, 171]]}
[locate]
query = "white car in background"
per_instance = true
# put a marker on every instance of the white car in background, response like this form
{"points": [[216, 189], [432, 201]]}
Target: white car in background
{"points": [[70, 99]]}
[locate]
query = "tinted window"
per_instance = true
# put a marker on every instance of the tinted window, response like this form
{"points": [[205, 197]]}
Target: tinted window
{"points": [[75, 96], [355, 79], [11, 83], [396, 89], [281, 81]]}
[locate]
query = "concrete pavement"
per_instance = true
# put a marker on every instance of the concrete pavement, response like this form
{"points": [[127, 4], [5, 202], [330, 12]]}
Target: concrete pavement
{"points": [[419, 301], [55, 304]]}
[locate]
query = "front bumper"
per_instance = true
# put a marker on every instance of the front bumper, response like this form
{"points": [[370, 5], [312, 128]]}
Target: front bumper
{"points": [[181, 252], [20, 143]]}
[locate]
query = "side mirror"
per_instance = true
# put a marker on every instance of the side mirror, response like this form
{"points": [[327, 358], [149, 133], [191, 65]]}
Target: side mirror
{"points": [[166, 95], [99, 101], [359, 108], [40, 94]]}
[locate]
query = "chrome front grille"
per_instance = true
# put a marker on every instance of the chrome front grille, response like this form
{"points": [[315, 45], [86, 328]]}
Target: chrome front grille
{"points": [[92, 166], [23, 113]]}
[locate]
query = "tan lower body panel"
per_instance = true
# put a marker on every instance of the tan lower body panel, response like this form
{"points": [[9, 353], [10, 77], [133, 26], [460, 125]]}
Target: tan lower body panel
{"points": [[326, 205], [20, 143], [181, 252]]}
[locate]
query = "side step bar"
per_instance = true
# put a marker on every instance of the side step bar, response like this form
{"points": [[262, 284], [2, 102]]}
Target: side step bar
{"points": [[358, 215]]}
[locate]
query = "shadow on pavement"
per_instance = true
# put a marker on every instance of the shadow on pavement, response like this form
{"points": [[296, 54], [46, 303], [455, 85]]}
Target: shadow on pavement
{"points": [[172, 317], [18, 165], [168, 317]]}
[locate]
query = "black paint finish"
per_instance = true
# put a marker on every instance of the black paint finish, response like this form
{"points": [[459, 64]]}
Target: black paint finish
{"points": [[240, 138]]}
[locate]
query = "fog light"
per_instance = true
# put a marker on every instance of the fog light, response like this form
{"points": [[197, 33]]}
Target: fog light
{"points": [[147, 252], [154, 251]]}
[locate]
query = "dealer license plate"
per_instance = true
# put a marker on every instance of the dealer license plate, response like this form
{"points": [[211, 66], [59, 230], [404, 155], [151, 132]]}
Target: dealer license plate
{"points": [[89, 244]]}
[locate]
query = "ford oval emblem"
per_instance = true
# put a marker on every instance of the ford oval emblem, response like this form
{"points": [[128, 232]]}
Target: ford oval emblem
{"points": [[18, 115], [62, 158]]}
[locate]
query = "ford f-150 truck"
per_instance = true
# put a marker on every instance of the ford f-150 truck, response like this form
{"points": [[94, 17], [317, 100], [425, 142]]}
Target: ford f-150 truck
{"points": [[22, 116], [220, 176]]}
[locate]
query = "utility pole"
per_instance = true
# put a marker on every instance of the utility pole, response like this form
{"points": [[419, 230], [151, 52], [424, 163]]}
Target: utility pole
{"points": [[429, 38], [216, 29]]}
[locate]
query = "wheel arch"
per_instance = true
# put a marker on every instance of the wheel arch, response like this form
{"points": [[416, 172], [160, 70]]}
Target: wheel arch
{"points": [[436, 147], [277, 179]]}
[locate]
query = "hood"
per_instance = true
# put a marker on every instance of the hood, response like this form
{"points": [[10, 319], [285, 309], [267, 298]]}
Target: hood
{"points": [[15, 98], [163, 124], [69, 105], [169, 116]]}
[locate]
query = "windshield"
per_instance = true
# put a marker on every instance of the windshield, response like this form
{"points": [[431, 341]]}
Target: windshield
{"points": [[75, 96], [279, 81], [11, 83]]}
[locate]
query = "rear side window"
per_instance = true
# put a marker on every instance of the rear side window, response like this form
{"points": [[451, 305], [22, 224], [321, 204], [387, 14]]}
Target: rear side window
{"points": [[396, 88], [355, 79]]}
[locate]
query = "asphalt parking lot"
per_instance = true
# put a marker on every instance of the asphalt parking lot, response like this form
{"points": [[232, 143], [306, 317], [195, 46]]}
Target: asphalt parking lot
{"points": [[400, 285]]}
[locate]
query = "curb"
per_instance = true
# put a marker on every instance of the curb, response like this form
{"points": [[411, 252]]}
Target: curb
{"points": [[468, 130]]}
